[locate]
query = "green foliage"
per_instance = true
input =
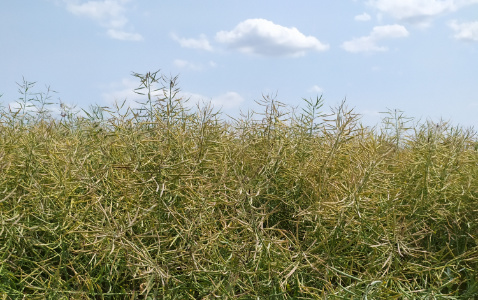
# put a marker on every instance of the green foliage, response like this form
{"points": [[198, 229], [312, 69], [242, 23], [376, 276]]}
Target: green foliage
{"points": [[166, 202]]}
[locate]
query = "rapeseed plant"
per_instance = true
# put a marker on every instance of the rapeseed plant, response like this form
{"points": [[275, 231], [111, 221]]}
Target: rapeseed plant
{"points": [[171, 202]]}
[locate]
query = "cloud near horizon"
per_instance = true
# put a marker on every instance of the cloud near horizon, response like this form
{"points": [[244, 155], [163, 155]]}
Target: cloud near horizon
{"points": [[117, 92], [265, 38], [228, 100]]}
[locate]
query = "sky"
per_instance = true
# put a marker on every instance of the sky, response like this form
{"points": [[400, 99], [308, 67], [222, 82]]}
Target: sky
{"points": [[418, 56]]}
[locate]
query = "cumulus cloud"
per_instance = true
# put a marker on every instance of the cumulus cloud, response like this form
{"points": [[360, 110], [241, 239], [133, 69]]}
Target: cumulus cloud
{"points": [[465, 31], [49, 111], [263, 37], [118, 92], [418, 11], [200, 43], [226, 101], [369, 43], [108, 13], [123, 90], [363, 17]]}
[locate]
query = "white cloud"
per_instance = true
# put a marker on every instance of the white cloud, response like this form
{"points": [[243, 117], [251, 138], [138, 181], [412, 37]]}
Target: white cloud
{"points": [[369, 43], [124, 36], [121, 91], [108, 13], [180, 63], [16, 106], [418, 11], [410, 9], [263, 37], [184, 64], [465, 31], [200, 43], [226, 101], [32, 109], [363, 17], [316, 89], [370, 117], [117, 92]]}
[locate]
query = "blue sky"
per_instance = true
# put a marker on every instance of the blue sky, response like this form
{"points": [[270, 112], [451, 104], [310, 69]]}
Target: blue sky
{"points": [[420, 56]]}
